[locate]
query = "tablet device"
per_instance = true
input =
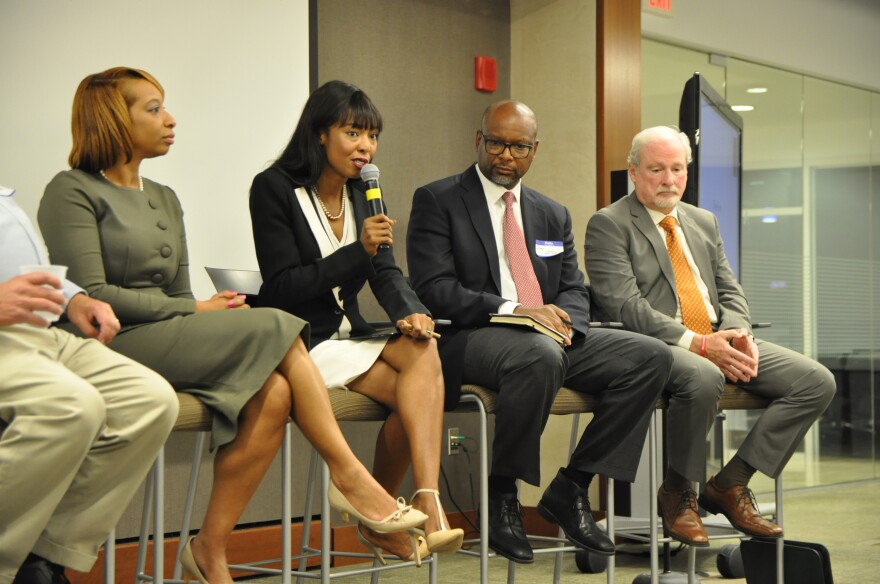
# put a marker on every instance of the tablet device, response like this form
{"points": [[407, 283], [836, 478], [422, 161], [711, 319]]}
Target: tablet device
{"points": [[242, 281]]}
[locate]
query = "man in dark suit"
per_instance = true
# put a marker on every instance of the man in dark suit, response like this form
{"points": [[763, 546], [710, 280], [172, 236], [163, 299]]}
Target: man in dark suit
{"points": [[480, 243], [658, 265]]}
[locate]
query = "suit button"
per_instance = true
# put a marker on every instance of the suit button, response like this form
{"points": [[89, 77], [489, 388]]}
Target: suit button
{"points": [[162, 225], [337, 310], [157, 278], [153, 204], [165, 251]]}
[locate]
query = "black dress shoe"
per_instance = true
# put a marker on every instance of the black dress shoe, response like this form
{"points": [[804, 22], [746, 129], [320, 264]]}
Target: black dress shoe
{"points": [[566, 504], [506, 534], [38, 570]]}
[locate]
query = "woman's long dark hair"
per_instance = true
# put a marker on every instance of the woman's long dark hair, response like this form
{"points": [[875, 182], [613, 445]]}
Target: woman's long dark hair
{"points": [[335, 102]]}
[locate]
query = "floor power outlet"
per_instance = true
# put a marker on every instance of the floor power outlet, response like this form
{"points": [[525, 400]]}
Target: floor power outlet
{"points": [[453, 446]]}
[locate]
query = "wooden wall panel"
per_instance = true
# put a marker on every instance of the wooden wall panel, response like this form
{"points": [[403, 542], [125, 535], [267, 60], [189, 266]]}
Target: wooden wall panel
{"points": [[618, 88]]}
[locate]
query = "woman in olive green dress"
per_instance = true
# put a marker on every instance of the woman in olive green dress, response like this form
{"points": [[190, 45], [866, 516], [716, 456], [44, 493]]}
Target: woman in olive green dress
{"points": [[123, 239]]}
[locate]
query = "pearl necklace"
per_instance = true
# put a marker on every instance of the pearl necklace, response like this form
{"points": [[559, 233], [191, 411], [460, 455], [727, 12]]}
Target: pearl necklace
{"points": [[326, 212], [140, 180]]}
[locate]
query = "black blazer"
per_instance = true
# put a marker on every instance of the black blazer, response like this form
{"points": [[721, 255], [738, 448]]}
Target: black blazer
{"points": [[297, 279], [453, 260]]}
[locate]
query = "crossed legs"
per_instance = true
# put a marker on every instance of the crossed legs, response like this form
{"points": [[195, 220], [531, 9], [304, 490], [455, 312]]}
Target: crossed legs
{"points": [[239, 467], [407, 379]]}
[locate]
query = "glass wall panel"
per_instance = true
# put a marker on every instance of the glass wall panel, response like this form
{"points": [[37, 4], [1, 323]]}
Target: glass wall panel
{"points": [[874, 317], [837, 172], [665, 69]]}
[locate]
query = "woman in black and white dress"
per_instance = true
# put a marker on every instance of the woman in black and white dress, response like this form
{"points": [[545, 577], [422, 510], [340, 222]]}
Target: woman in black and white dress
{"points": [[317, 245]]}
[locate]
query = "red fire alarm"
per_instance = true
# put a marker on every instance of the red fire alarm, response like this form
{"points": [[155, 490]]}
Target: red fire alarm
{"points": [[485, 74]]}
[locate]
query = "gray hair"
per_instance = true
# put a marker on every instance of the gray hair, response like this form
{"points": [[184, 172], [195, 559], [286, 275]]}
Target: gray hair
{"points": [[656, 133]]}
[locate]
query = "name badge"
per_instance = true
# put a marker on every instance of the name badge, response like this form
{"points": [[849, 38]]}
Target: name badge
{"points": [[546, 249]]}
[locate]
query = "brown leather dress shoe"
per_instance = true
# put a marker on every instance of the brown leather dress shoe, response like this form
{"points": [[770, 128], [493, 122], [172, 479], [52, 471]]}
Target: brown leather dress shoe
{"points": [[739, 506], [680, 519]]}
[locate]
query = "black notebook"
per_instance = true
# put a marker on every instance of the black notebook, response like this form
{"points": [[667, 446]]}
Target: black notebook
{"points": [[524, 320]]}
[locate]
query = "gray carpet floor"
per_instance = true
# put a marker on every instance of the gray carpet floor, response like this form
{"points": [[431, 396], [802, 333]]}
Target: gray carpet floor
{"points": [[845, 518]]}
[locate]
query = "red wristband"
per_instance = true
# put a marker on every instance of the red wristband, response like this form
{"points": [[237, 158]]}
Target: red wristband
{"points": [[703, 346]]}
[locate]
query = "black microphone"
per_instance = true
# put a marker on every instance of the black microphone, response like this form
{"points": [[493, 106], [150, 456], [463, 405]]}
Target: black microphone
{"points": [[370, 176]]}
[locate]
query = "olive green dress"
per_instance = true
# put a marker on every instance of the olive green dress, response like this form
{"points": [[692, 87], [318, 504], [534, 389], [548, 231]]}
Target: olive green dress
{"points": [[128, 248]]}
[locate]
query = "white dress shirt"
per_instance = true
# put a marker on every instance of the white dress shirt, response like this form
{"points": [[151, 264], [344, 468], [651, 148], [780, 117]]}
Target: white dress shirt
{"points": [[494, 194], [20, 244]]}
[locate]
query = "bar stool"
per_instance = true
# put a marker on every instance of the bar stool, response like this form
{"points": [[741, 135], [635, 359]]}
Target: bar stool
{"points": [[567, 402]]}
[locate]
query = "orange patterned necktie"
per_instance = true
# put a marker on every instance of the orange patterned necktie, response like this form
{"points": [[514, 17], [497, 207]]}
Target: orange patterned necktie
{"points": [[693, 309], [527, 287]]}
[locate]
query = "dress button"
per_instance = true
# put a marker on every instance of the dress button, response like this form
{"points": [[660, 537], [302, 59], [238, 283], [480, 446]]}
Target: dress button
{"points": [[156, 278], [162, 225], [165, 251], [153, 204]]}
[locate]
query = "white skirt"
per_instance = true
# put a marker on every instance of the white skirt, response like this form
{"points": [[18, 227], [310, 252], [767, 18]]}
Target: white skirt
{"points": [[342, 361]]}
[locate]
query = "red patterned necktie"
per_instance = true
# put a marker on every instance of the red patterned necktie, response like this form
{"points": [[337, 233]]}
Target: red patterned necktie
{"points": [[527, 288], [693, 310]]}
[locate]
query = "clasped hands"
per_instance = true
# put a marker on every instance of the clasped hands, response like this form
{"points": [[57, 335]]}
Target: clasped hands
{"points": [[733, 351], [22, 296], [225, 300], [550, 315]]}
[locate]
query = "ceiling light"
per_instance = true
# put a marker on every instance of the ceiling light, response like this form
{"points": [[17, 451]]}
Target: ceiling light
{"points": [[756, 90], [742, 108]]}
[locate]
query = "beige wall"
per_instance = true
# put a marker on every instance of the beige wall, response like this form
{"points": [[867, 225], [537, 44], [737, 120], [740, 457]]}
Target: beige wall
{"points": [[416, 62], [553, 70]]}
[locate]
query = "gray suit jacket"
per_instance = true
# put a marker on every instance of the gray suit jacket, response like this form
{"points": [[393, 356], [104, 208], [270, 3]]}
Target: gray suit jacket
{"points": [[631, 276]]}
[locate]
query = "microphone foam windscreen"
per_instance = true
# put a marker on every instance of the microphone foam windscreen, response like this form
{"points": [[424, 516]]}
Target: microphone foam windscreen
{"points": [[370, 172]]}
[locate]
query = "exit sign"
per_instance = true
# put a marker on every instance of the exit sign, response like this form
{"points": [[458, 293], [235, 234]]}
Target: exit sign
{"points": [[658, 7]]}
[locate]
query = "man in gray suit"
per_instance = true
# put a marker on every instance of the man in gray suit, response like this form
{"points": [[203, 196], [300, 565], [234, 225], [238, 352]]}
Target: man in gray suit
{"points": [[658, 265]]}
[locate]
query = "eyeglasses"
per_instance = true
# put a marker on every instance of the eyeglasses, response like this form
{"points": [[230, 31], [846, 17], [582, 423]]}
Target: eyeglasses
{"points": [[496, 147]]}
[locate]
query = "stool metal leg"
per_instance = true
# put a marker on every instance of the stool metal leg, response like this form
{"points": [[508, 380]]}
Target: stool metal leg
{"points": [[692, 565], [159, 519], [286, 494], [652, 506], [307, 515], [143, 540], [325, 524], [190, 501], [609, 488], [110, 558], [484, 494], [780, 543]]}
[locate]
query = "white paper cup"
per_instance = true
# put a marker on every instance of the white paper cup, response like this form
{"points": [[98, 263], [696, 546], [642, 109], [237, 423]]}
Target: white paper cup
{"points": [[59, 271]]}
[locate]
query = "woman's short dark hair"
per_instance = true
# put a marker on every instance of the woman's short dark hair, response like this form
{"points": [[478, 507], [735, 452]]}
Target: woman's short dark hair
{"points": [[335, 102], [101, 124]]}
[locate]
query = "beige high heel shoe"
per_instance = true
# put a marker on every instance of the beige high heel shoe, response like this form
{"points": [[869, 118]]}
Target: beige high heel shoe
{"points": [[404, 519], [420, 548], [444, 540], [190, 567]]}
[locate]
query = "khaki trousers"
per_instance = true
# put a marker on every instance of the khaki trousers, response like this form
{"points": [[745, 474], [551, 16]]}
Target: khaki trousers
{"points": [[81, 426]]}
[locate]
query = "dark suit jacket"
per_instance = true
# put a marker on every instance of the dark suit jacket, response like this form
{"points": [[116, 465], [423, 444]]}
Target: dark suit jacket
{"points": [[453, 260], [297, 279], [631, 275]]}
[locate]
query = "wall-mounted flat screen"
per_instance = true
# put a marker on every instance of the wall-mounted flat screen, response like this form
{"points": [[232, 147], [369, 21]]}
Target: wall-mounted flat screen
{"points": [[715, 177]]}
